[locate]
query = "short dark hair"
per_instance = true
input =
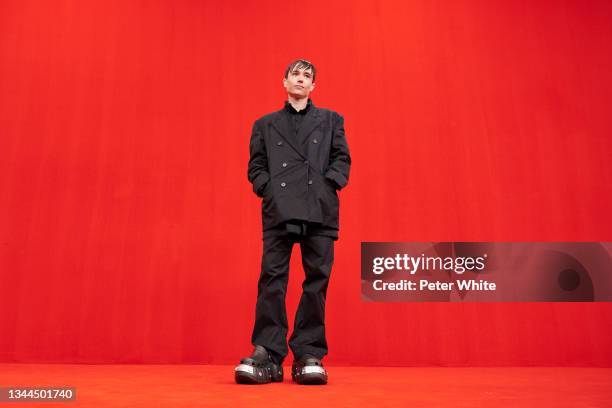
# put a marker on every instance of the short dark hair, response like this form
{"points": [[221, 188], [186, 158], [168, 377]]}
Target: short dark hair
{"points": [[301, 63]]}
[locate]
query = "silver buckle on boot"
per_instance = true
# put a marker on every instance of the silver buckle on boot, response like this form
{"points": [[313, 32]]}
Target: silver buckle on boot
{"points": [[313, 370], [245, 368]]}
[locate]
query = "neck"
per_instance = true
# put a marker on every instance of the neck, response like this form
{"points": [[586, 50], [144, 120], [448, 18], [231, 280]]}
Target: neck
{"points": [[298, 104]]}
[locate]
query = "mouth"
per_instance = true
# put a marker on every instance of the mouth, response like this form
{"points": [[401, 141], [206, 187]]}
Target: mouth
{"points": [[299, 86]]}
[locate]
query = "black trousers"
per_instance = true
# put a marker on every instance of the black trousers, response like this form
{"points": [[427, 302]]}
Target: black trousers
{"points": [[271, 325]]}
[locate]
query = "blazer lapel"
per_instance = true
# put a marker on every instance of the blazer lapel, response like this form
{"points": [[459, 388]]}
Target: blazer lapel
{"points": [[282, 127], [310, 123]]}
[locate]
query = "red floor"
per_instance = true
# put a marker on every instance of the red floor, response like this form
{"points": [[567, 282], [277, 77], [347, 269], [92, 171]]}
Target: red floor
{"points": [[203, 386]]}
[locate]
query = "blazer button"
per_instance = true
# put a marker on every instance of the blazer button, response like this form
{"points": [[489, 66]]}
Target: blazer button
{"points": [[279, 143], [305, 161], [283, 184], [284, 164], [309, 181], [315, 141]]}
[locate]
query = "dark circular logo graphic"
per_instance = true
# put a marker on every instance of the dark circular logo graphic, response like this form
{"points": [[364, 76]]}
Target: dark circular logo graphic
{"points": [[569, 279]]}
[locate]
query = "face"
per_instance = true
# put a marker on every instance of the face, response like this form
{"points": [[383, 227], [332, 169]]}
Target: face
{"points": [[299, 82]]}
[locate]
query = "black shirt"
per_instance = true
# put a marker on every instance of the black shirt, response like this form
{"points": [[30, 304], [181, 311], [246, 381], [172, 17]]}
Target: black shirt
{"points": [[296, 118]]}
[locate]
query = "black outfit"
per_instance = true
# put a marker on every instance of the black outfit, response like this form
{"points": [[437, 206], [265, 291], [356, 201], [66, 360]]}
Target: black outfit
{"points": [[298, 161]]}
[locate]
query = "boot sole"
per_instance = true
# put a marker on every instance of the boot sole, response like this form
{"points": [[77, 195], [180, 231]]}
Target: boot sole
{"points": [[243, 377], [310, 379]]}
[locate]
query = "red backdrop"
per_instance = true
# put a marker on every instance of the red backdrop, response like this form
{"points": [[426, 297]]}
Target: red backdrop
{"points": [[129, 232]]}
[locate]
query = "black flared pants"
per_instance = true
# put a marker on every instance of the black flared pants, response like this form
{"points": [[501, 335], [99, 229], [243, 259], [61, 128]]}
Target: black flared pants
{"points": [[271, 325]]}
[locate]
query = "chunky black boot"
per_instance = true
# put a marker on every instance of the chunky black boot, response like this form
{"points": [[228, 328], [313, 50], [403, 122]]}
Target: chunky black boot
{"points": [[308, 370], [258, 368]]}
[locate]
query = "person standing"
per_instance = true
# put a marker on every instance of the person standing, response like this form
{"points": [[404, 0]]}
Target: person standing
{"points": [[299, 159]]}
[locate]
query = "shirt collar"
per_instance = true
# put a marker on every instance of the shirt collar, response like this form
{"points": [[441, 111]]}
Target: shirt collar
{"points": [[289, 108]]}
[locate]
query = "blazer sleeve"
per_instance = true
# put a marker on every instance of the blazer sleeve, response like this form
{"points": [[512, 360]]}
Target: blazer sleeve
{"points": [[340, 158], [258, 173]]}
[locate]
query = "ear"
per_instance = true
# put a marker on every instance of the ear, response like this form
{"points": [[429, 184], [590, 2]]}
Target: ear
{"points": [[312, 86], [285, 82]]}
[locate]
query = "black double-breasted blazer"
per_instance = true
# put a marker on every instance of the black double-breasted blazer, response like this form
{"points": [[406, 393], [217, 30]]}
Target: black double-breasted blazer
{"points": [[298, 175]]}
